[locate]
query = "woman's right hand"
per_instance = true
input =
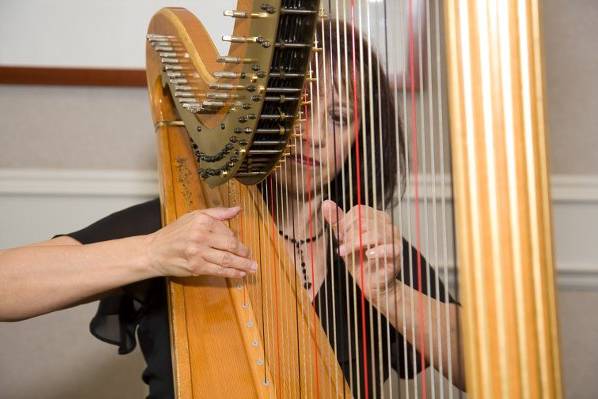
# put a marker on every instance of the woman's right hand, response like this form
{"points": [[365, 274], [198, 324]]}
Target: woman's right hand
{"points": [[200, 243]]}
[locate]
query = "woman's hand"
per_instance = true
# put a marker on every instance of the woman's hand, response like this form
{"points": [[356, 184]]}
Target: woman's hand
{"points": [[200, 243], [380, 241]]}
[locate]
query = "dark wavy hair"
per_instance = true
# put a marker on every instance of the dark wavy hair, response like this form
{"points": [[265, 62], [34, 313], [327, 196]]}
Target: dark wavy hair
{"points": [[380, 116]]}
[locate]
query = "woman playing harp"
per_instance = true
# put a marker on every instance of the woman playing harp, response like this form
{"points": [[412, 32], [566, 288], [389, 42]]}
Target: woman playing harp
{"points": [[336, 225]]}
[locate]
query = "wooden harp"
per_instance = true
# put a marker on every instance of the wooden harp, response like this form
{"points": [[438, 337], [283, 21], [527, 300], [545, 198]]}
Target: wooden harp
{"points": [[224, 123]]}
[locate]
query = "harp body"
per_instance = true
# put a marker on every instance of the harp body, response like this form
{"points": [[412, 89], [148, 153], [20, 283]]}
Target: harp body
{"points": [[501, 203]]}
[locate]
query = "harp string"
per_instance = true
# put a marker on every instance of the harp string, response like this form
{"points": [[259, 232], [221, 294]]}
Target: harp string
{"points": [[300, 198], [328, 238], [424, 219], [434, 199], [276, 266], [368, 176], [344, 95], [445, 244], [309, 132], [322, 105], [281, 294], [408, 300], [266, 286], [365, 178], [395, 259], [357, 146], [415, 170], [351, 123]]}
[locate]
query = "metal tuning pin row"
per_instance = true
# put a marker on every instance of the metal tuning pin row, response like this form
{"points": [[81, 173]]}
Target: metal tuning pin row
{"points": [[247, 39], [244, 14], [172, 54], [225, 59]]}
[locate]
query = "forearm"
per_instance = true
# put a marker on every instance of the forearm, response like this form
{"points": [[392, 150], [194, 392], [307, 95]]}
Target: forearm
{"points": [[39, 279], [423, 320]]}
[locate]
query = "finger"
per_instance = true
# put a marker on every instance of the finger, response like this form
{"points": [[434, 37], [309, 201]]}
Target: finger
{"points": [[222, 213], [357, 241], [229, 260], [384, 251], [219, 227], [334, 216], [212, 269], [227, 243]]}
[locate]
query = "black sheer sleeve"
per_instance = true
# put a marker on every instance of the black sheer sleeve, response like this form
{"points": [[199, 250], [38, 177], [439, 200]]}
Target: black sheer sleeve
{"points": [[415, 270], [118, 315]]}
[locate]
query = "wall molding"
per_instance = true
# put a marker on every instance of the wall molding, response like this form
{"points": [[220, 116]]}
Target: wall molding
{"points": [[565, 188], [26, 75], [570, 276], [568, 190], [67, 182]]}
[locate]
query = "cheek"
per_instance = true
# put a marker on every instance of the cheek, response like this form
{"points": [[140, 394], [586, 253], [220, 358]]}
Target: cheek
{"points": [[344, 144]]}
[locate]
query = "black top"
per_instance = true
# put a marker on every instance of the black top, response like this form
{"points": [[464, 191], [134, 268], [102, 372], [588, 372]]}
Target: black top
{"points": [[142, 306]]}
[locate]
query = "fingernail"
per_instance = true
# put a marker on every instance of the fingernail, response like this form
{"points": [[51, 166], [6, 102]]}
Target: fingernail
{"points": [[370, 253], [254, 266], [341, 250]]}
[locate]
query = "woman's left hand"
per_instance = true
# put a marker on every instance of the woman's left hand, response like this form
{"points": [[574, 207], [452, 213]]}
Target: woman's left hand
{"points": [[366, 229]]}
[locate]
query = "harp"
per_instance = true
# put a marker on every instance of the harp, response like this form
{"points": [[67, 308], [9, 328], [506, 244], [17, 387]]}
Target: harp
{"points": [[226, 124]]}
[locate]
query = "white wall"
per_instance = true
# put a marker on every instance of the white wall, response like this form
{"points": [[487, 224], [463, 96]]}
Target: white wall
{"points": [[54, 356], [102, 34]]}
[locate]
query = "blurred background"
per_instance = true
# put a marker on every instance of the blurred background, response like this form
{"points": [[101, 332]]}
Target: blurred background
{"points": [[70, 155]]}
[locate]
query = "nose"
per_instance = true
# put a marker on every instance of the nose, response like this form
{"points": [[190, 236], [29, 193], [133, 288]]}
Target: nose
{"points": [[313, 130]]}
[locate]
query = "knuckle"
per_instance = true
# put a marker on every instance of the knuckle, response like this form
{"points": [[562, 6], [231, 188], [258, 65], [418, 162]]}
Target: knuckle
{"points": [[232, 245], [225, 259], [196, 269], [204, 221], [191, 250]]}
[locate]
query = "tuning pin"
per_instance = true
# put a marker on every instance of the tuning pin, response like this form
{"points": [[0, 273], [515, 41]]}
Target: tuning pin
{"points": [[170, 61], [242, 39], [244, 14], [184, 94], [193, 108], [221, 96], [159, 38], [183, 88], [234, 60], [226, 86], [229, 75], [173, 67], [247, 39], [213, 104]]}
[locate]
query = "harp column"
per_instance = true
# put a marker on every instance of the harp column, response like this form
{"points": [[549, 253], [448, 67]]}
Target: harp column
{"points": [[502, 201]]}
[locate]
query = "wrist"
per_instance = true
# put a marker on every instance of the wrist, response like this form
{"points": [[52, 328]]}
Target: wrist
{"points": [[144, 261]]}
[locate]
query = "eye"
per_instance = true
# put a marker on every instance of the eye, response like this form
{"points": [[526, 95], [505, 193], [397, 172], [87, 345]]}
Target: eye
{"points": [[337, 117]]}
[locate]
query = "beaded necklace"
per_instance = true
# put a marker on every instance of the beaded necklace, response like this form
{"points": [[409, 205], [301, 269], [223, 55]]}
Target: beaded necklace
{"points": [[298, 246]]}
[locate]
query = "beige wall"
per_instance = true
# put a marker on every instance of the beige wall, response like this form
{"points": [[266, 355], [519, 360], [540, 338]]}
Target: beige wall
{"points": [[570, 31]]}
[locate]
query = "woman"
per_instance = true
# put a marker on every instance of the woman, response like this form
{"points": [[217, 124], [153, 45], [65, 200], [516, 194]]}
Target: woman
{"points": [[123, 257]]}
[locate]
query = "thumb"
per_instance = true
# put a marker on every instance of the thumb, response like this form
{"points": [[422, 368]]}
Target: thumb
{"points": [[333, 215], [222, 213]]}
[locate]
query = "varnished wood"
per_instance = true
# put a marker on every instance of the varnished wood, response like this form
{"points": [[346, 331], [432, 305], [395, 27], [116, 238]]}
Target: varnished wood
{"points": [[501, 196], [21, 75], [222, 346]]}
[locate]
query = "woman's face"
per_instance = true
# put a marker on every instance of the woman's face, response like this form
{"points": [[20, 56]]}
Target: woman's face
{"points": [[326, 138]]}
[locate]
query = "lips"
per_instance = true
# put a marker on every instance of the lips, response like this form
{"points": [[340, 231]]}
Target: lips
{"points": [[306, 160]]}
